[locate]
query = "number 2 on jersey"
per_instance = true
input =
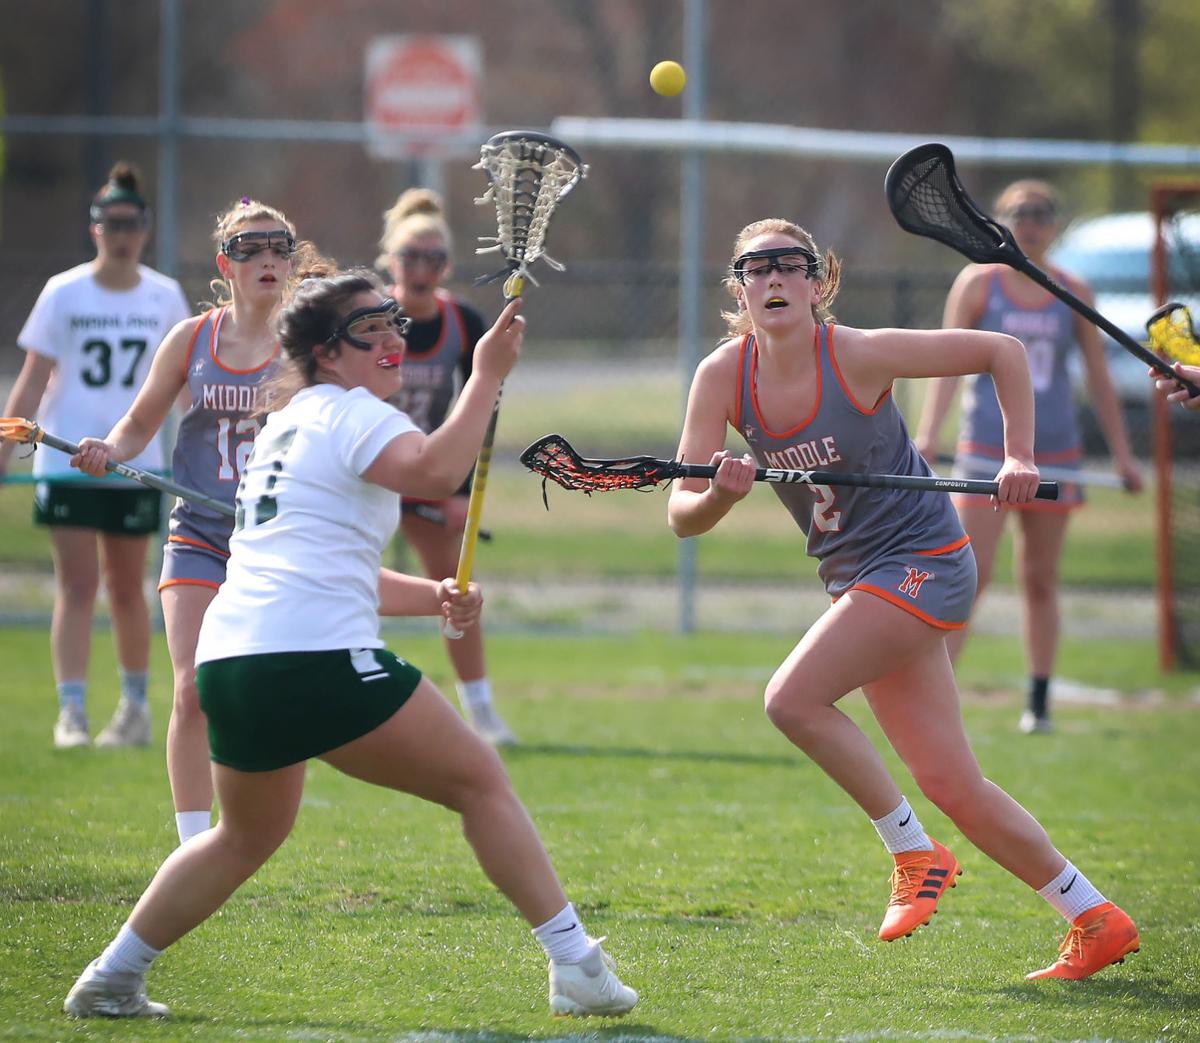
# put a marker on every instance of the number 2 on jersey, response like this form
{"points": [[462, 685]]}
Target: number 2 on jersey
{"points": [[824, 517], [257, 486]]}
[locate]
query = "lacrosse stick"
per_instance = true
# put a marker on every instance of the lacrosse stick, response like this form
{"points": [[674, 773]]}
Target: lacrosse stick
{"points": [[16, 429], [528, 174], [553, 457], [1172, 334], [926, 198], [1104, 479]]}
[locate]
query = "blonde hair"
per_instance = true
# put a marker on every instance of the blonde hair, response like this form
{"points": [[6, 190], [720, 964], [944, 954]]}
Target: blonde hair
{"points": [[241, 213], [1027, 187], [418, 211], [738, 322]]}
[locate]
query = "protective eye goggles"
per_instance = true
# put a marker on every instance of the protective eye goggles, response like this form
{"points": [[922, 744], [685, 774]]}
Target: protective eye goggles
{"points": [[364, 328], [115, 225], [410, 258], [787, 260], [244, 245], [1040, 214]]}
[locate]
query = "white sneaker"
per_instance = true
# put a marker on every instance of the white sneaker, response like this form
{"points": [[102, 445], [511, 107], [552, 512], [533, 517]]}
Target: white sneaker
{"points": [[71, 728], [1031, 723], [111, 996], [130, 726], [590, 987], [489, 724]]}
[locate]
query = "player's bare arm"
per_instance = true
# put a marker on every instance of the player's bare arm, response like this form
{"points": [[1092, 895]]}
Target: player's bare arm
{"points": [[434, 466], [26, 395], [697, 504], [133, 432]]}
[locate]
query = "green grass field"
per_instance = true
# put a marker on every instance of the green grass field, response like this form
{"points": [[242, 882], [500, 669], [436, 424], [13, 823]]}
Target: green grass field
{"points": [[739, 889]]}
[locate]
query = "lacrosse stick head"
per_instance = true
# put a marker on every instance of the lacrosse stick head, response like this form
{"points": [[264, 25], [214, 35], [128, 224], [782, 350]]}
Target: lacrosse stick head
{"points": [[528, 174], [1172, 334], [926, 198], [554, 458], [18, 429]]}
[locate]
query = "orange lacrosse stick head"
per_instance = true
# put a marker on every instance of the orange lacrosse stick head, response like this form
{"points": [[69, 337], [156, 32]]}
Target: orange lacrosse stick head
{"points": [[18, 429]]}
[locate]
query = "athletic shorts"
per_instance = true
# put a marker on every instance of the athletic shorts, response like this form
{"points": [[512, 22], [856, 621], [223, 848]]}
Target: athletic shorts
{"points": [[196, 552], [431, 510], [1070, 494], [936, 588], [279, 708], [118, 510]]}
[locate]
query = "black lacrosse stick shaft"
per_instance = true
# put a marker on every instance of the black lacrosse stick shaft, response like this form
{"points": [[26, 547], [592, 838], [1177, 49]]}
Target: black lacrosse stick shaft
{"points": [[927, 198]]}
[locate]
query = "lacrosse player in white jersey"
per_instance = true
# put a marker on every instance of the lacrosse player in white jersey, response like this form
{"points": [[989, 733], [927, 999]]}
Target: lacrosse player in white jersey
{"points": [[89, 343], [290, 665]]}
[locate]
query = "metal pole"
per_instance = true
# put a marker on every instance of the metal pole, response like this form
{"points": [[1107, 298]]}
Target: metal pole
{"points": [[691, 265], [166, 214]]}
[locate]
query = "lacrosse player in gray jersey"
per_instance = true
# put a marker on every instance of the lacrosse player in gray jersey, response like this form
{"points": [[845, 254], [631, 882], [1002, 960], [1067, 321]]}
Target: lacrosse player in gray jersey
{"points": [[218, 359], [806, 393], [996, 297]]}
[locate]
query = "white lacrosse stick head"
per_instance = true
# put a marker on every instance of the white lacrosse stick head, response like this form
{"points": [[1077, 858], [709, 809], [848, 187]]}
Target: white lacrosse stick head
{"points": [[528, 173]]}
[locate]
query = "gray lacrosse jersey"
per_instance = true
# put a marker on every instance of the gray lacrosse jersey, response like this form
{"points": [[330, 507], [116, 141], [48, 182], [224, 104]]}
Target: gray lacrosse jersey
{"points": [[215, 437], [1048, 333], [848, 529], [430, 377]]}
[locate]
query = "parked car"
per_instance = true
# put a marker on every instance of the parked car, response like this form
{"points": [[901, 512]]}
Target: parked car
{"points": [[1113, 253]]}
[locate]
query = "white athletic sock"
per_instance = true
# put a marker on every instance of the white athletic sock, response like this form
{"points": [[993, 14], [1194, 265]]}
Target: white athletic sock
{"points": [[133, 686], [127, 954], [1071, 893], [563, 937], [901, 831], [476, 694], [191, 823]]}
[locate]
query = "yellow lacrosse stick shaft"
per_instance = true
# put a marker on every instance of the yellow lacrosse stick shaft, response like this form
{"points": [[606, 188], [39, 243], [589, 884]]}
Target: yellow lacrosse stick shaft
{"points": [[466, 556]]}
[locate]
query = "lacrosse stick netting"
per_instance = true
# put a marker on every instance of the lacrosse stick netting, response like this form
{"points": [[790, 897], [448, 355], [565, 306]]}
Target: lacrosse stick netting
{"points": [[528, 174]]}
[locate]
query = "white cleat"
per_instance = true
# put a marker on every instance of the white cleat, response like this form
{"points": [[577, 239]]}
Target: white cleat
{"points": [[489, 725], [71, 728], [130, 726], [97, 995], [590, 987], [1030, 723]]}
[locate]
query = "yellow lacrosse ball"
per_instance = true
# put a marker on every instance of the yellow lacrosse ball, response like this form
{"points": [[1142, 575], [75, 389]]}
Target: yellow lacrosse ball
{"points": [[668, 79]]}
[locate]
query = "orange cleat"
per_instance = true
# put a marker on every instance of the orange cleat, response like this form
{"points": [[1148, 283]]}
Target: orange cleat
{"points": [[918, 882], [1098, 937]]}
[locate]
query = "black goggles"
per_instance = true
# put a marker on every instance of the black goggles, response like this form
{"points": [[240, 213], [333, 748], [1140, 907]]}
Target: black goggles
{"points": [[364, 328], [113, 224], [786, 260], [244, 245]]}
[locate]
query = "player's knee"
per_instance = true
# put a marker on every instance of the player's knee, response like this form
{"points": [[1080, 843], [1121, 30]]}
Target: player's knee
{"points": [[788, 713], [185, 707], [1040, 586], [78, 588], [124, 592], [952, 796]]}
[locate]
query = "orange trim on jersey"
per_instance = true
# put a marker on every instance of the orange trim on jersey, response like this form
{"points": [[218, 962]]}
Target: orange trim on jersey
{"points": [[198, 543], [189, 583], [837, 372], [947, 549], [443, 301], [212, 351], [192, 343], [908, 607], [741, 383], [1061, 456], [754, 391]]}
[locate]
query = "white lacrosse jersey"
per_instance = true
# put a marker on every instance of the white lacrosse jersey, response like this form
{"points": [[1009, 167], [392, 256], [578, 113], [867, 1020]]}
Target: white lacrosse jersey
{"points": [[102, 342], [304, 560]]}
